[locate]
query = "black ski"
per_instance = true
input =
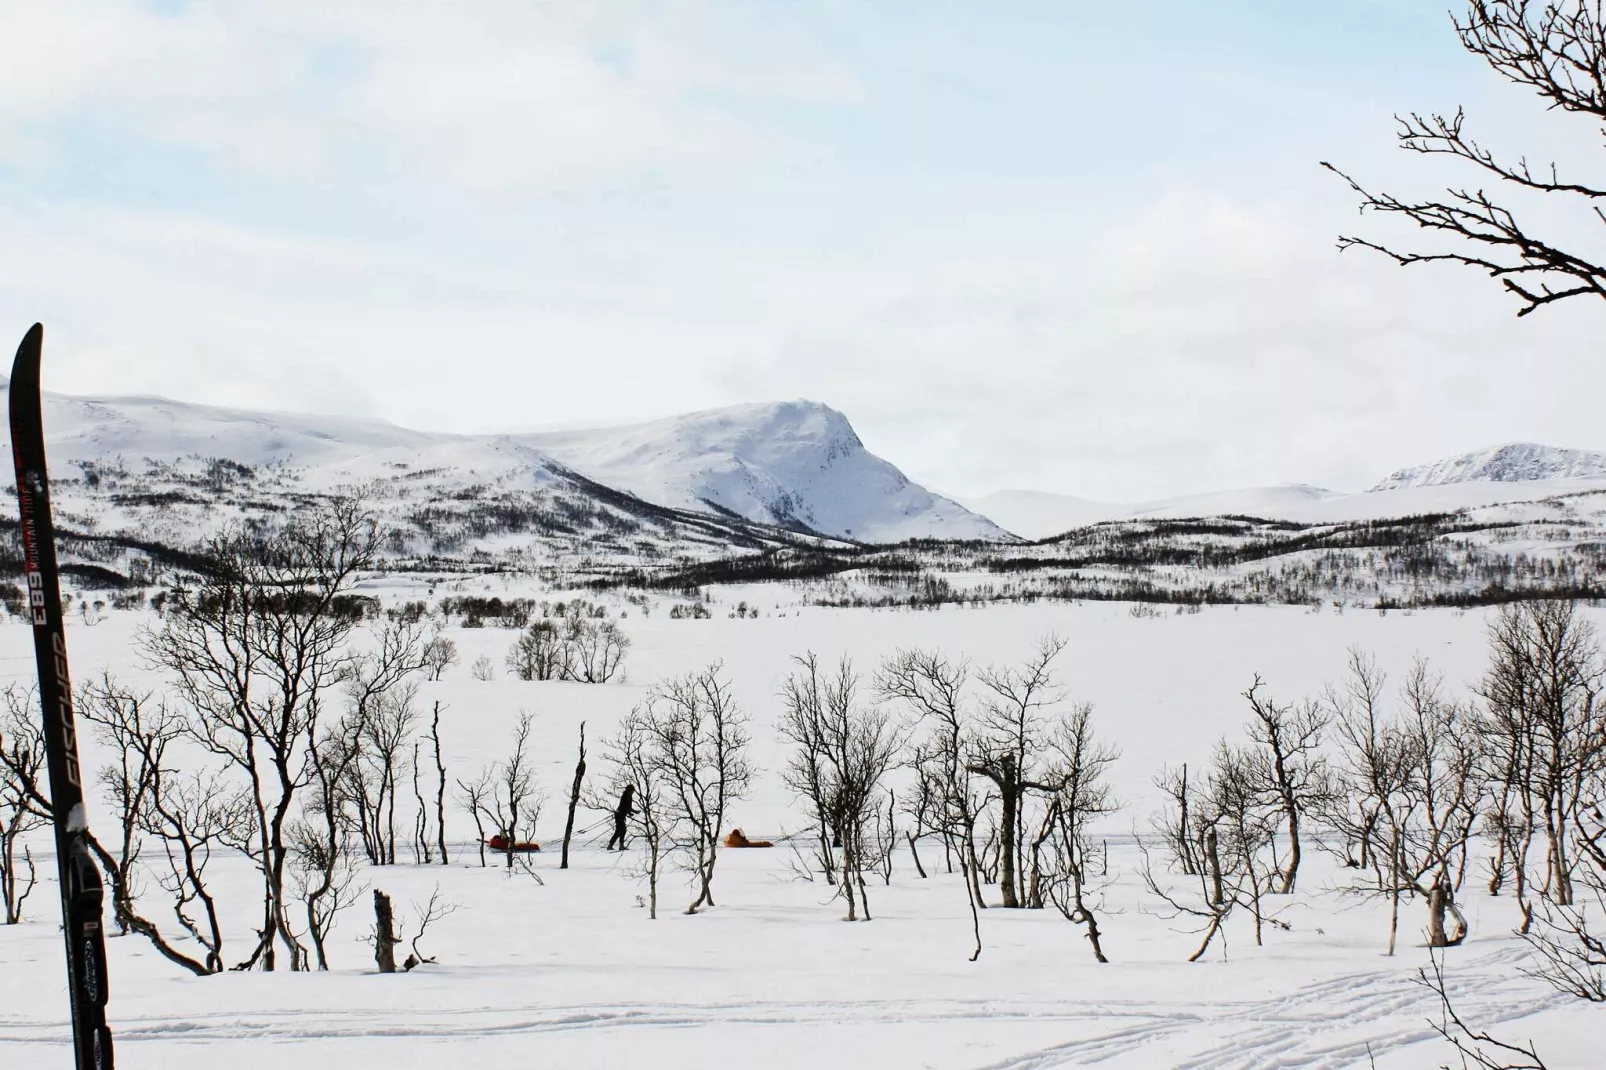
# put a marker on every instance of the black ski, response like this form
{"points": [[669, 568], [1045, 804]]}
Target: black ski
{"points": [[80, 877]]}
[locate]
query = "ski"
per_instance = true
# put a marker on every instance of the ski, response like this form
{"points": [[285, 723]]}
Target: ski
{"points": [[81, 888]]}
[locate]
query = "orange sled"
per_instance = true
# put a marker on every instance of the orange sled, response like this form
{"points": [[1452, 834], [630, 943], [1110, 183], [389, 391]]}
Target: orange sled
{"points": [[737, 838]]}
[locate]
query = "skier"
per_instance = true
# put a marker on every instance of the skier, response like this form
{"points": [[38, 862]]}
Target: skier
{"points": [[621, 814]]}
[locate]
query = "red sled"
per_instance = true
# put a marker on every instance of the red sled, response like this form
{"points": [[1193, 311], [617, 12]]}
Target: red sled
{"points": [[499, 843]]}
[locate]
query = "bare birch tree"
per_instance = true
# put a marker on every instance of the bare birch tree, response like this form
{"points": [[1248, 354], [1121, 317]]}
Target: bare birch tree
{"points": [[638, 778], [253, 652], [843, 751], [699, 736]]}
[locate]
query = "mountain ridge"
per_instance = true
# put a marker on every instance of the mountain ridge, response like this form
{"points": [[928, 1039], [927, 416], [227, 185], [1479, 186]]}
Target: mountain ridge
{"points": [[796, 464], [1509, 462]]}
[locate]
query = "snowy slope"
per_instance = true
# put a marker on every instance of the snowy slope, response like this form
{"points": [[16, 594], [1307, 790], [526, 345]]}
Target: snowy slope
{"points": [[1040, 514], [1037, 514], [796, 463], [1515, 462], [134, 428]]}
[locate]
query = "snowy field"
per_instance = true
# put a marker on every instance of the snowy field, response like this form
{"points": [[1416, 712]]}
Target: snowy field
{"points": [[569, 971]]}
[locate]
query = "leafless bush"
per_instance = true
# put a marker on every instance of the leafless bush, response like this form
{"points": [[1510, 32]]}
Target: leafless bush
{"points": [[539, 653], [440, 654], [596, 649]]}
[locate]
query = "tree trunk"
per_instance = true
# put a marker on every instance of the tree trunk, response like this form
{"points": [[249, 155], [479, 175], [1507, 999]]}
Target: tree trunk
{"points": [[1190, 865], [574, 797], [1218, 894], [440, 781], [1006, 849], [915, 853], [1292, 872], [1441, 902], [1394, 892], [384, 933]]}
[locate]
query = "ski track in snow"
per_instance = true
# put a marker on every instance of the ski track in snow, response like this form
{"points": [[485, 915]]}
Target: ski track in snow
{"points": [[1329, 1024]]}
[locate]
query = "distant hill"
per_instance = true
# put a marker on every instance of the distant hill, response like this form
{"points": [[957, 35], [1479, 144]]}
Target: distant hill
{"points": [[1514, 462]]}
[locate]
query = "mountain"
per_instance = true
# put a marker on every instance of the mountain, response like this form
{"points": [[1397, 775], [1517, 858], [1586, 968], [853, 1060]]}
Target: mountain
{"points": [[1040, 515], [1515, 462], [797, 465]]}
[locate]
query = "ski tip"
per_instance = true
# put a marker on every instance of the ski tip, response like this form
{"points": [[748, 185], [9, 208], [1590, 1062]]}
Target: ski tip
{"points": [[25, 368]]}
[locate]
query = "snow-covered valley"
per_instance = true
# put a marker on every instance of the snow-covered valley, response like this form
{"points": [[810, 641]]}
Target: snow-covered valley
{"points": [[565, 967], [749, 537]]}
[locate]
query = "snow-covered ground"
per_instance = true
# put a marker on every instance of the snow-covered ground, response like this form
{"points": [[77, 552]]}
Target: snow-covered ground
{"points": [[570, 972]]}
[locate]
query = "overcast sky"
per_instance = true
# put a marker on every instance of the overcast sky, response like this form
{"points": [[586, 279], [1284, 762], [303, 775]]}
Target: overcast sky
{"points": [[1069, 245]]}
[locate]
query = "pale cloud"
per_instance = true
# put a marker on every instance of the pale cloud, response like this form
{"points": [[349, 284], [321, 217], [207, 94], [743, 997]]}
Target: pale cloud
{"points": [[502, 214], [494, 95]]}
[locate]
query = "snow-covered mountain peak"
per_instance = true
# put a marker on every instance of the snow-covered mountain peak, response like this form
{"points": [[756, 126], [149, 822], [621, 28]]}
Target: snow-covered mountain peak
{"points": [[1513, 462], [794, 463]]}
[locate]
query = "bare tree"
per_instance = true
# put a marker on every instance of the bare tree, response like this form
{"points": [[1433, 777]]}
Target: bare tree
{"points": [[439, 654], [639, 779], [475, 798], [380, 719], [1547, 735], [1007, 748], [539, 653], [384, 728], [932, 689], [1288, 765], [1081, 763], [514, 804], [1174, 823], [1557, 51], [842, 754], [574, 797], [253, 652], [440, 781], [699, 736], [323, 866], [186, 812], [1419, 773], [1231, 830], [596, 649], [22, 761]]}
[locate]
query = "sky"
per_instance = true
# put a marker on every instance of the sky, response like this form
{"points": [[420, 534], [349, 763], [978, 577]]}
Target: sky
{"points": [[1066, 245]]}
